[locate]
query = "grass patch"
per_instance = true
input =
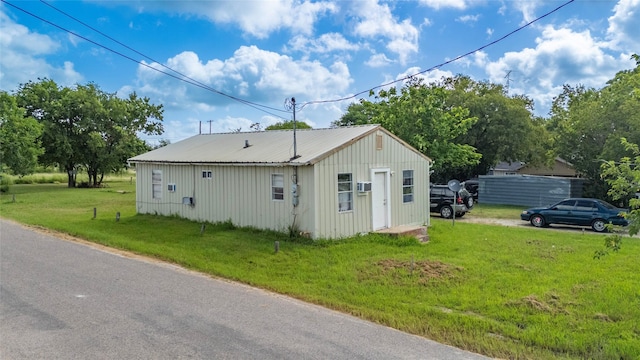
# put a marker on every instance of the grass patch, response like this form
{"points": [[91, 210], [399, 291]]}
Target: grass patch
{"points": [[505, 292], [62, 178]]}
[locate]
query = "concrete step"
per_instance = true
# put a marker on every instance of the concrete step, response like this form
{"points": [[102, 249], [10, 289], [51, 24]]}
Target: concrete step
{"points": [[419, 232]]}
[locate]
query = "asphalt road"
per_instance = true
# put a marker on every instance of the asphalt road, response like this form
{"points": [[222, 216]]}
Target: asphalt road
{"points": [[61, 299]]}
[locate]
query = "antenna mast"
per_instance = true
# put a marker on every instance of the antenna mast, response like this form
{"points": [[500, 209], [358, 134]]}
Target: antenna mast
{"points": [[508, 77]]}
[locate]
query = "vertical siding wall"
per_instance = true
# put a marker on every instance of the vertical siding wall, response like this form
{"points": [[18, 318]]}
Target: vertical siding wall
{"points": [[527, 190], [358, 159], [241, 194]]}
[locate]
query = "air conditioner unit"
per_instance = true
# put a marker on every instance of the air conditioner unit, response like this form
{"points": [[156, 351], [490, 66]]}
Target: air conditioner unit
{"points": [[364, 186]]}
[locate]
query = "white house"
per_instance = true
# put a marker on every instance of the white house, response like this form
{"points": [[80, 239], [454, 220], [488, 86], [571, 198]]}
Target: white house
{"points": [[326, 183]]}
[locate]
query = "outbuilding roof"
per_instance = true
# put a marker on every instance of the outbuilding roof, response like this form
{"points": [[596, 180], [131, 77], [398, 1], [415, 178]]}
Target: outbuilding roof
{"points": [[261, 147]]}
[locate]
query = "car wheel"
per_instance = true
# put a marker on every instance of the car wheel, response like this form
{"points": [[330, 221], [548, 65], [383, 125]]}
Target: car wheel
{"points": [[446, 211], [470, 202], [537, 221], [460, 215], [598, 225]]}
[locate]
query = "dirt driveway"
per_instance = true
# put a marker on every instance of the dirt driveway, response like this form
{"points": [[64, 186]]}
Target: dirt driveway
{"points": [[469, 218], [504, 222]]}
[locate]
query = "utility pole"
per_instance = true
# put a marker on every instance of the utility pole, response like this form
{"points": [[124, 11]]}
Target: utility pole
{"points": [[295, 148], [210, 121], [290, 104]]}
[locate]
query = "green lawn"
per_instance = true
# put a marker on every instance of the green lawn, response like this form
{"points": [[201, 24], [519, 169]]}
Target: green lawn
{"points": [[506, 292]]}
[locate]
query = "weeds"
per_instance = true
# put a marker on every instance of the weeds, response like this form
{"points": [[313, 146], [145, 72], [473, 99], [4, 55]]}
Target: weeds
{"points": [[503, 292]]}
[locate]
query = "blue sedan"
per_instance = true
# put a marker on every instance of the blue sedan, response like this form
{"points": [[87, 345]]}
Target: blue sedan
{"points": [[580, 211]]}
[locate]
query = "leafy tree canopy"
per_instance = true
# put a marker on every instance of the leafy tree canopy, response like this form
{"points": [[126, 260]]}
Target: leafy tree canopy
{"points": [[288, 125], [85, 127], [161, 143], [420, 115], [588, 124], [19, 137], [505, 130]]}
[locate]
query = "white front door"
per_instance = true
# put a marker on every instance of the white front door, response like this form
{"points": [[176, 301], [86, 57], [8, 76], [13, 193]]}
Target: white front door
{"points": [[380, 199]]}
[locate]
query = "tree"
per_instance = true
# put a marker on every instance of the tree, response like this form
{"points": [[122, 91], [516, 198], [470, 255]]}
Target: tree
{"points": [[161, 143], [288, 125], [86, 127], [112, 136], [420, 116], [624, 180], [19, 137], [49, 104], [506, 129], [587, 125]]}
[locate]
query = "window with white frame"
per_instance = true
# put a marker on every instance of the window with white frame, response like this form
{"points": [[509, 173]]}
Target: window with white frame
{"points": [[277, 187], [407, 186], [345, 192], [207, 174], [156, 184]]}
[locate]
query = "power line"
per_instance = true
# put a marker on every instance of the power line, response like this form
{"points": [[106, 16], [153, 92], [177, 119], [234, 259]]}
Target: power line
{"points": [[441, 64], [256, 106], [183, 77]]}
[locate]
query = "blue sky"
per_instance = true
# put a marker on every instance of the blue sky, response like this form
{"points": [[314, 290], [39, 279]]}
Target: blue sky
{"points": [[265, 52]]}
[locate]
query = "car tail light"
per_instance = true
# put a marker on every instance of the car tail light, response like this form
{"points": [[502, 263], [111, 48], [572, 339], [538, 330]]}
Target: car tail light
{"points": [[459, 200]]}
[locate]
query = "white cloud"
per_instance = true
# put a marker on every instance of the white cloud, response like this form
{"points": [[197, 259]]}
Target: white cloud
{"points": [[561, 56], [378, 60], [624, 26], [489, 32], [468, 18], [253, 74], [527, 8], [230, 123], [257, 18], [480, 58], [326, 43], [376, 20], [441, 4], [433, 76], [23, 52], [503, 9]]}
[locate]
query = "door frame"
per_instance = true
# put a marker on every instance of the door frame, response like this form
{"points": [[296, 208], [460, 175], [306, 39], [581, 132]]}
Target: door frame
{"points": [[387, 195]]}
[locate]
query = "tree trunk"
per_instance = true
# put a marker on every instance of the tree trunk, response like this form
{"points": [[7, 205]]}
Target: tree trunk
{"points": [[71, 176], [93, 177]]}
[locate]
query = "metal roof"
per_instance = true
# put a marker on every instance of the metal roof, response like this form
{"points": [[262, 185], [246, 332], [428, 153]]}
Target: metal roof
{"points": [[509, 166], [265, 147]]}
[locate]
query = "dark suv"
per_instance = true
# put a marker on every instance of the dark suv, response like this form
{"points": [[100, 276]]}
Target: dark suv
{"points": [[442, 201]]}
